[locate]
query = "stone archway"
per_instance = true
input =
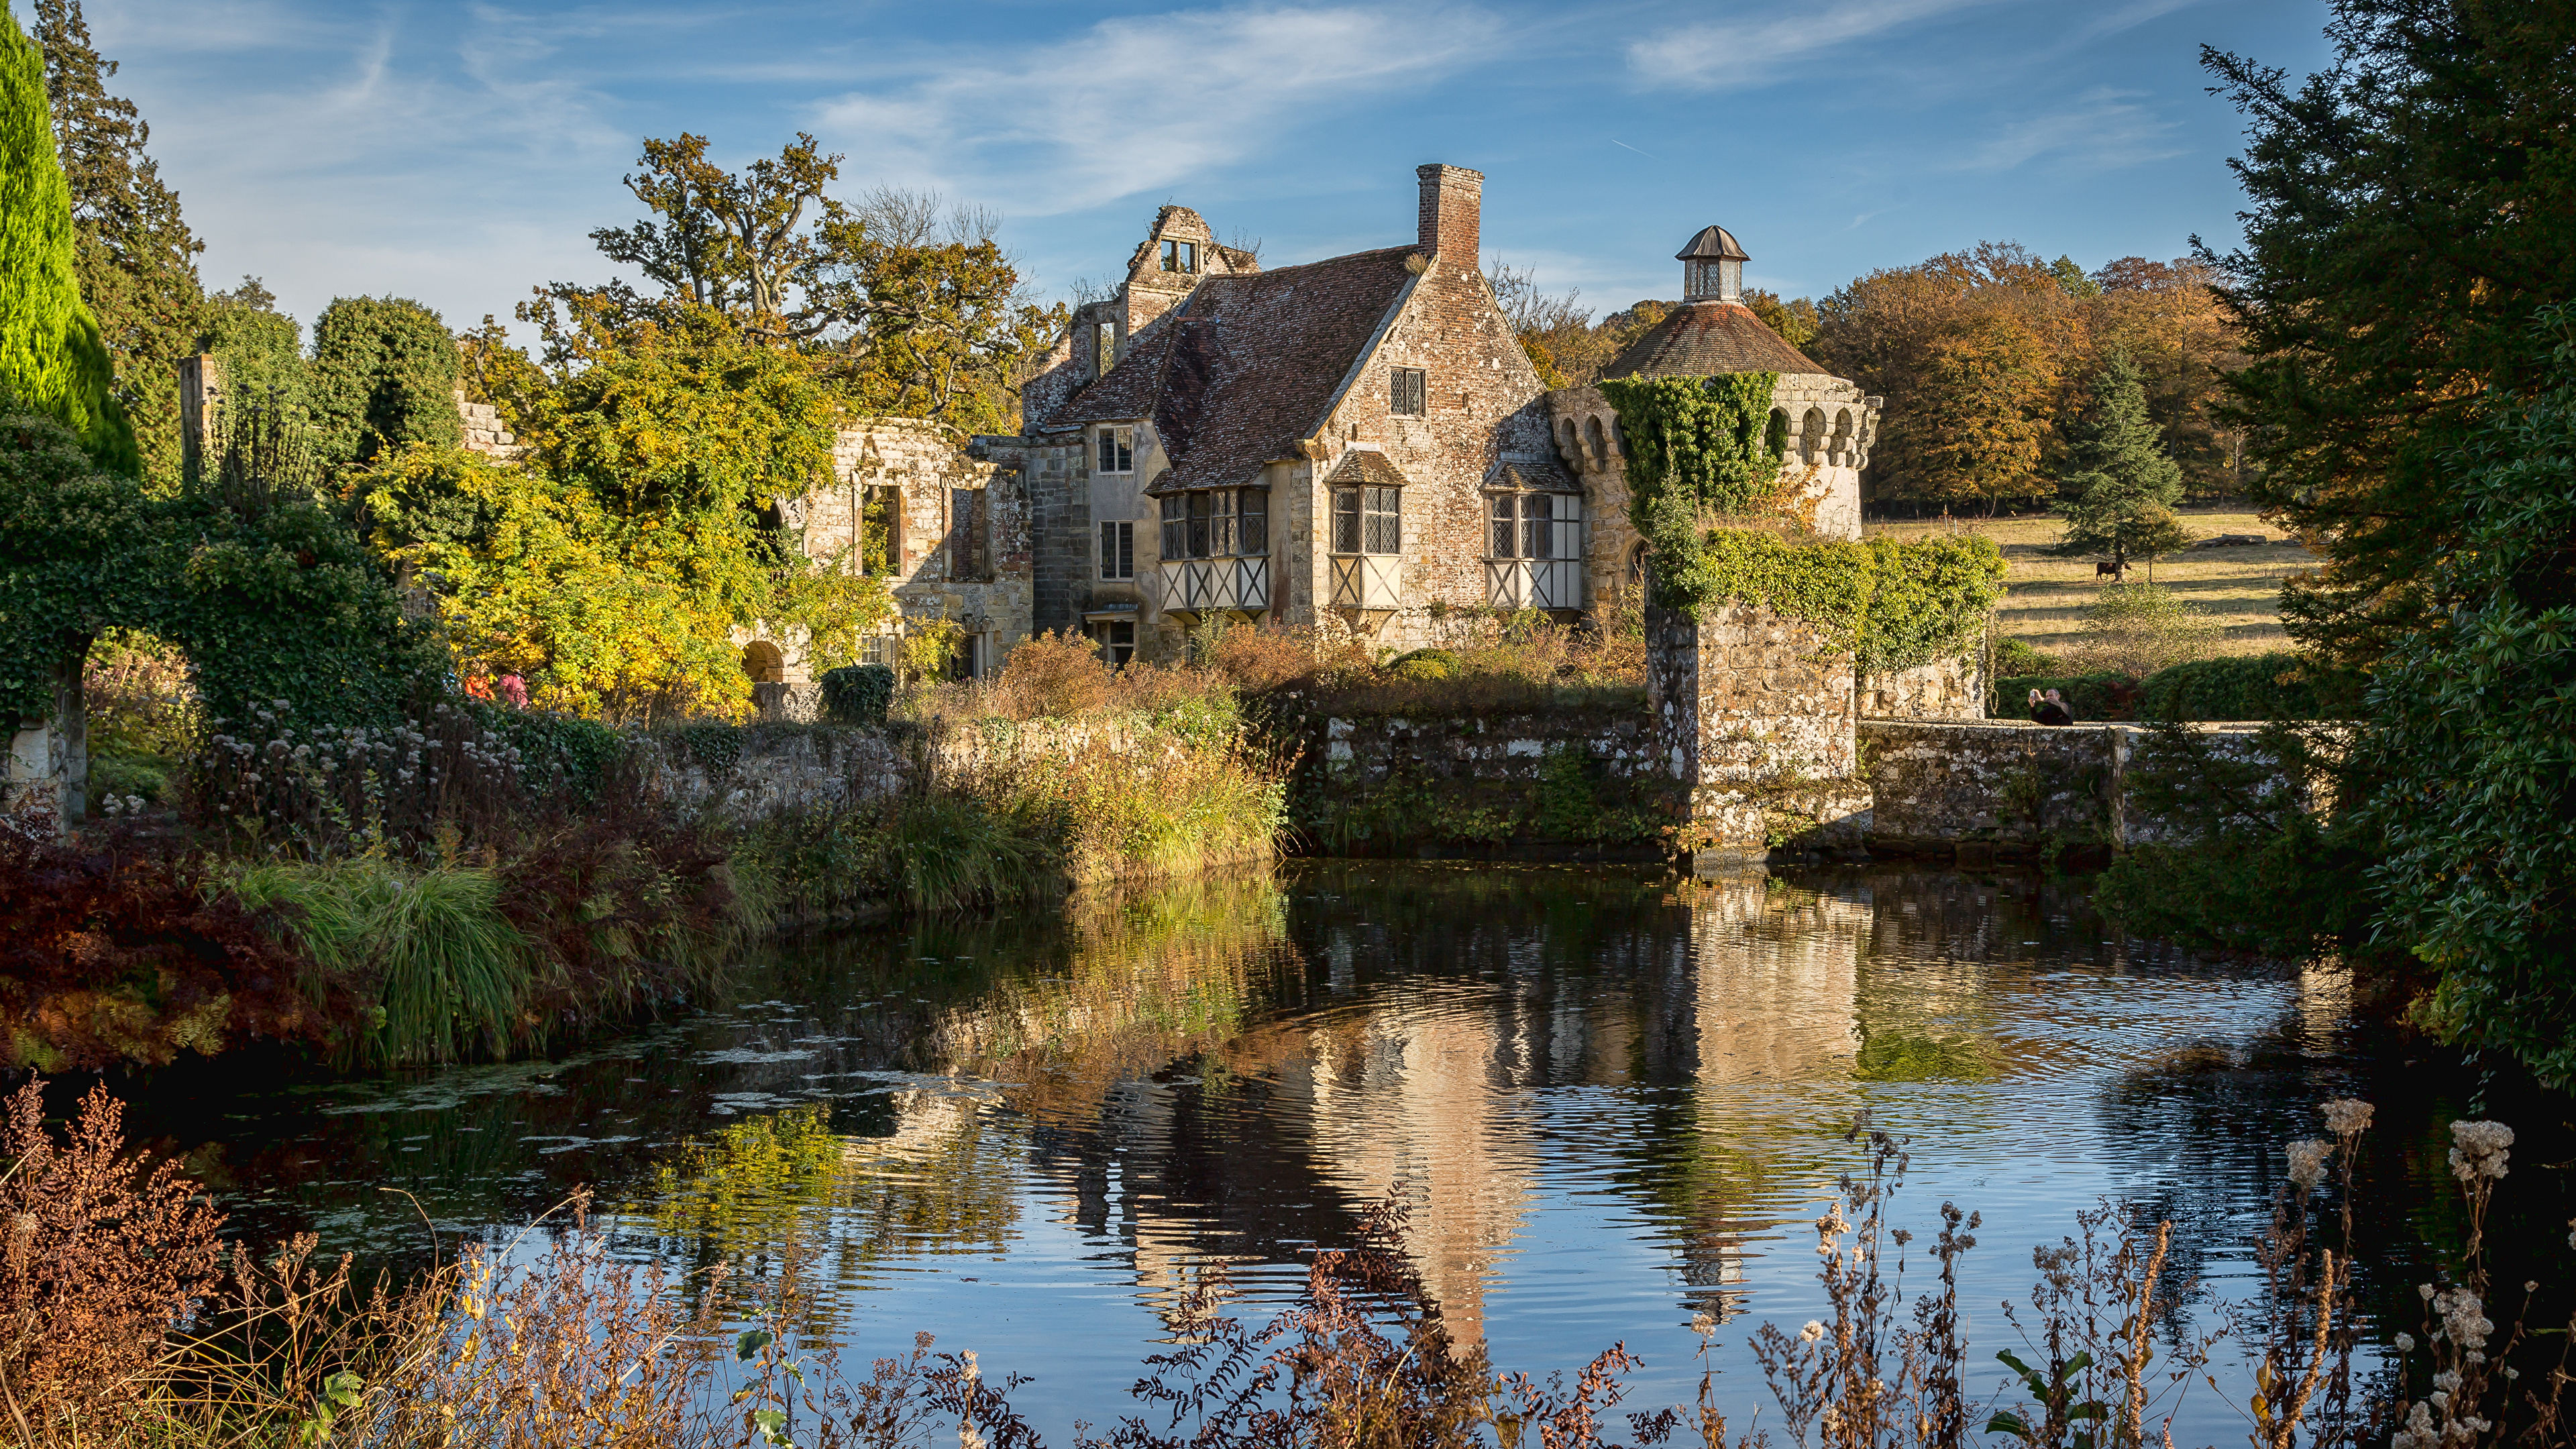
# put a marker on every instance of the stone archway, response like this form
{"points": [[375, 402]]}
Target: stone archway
{"points": [[764, 663]]}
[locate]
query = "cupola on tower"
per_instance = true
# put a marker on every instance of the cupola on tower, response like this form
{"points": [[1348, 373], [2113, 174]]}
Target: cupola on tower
{"points": [[1712, 267]]}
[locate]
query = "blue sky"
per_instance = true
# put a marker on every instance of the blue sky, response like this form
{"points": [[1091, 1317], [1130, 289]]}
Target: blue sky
{"points": [[460, 154]]}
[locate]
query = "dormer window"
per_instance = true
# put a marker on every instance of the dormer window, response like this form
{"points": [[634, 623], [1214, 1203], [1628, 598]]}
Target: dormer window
{"points": [[1117, 451], [1180, 256], [1105, 347]]}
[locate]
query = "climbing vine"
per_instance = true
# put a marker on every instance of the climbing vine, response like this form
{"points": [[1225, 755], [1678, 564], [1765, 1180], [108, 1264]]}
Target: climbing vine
{"points": [[1696, 446]]}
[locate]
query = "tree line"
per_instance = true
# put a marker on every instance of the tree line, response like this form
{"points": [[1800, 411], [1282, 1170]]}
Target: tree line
{"points": [[664, 414], [1991, 361]]}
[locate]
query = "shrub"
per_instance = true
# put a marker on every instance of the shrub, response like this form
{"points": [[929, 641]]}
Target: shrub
{"points": [[1426, 665], [858, 694], [2018, 657], [112, 951], [2104, 696], [441, 970], [103, 1256], [2138, 628], [2279, 685]]}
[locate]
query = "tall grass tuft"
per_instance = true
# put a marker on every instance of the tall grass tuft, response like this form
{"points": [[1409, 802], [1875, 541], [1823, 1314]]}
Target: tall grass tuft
{"points": [[445, 970]]}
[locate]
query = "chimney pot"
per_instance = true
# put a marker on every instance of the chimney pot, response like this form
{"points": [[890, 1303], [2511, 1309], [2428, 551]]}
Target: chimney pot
{"points": [[1452, 196]]}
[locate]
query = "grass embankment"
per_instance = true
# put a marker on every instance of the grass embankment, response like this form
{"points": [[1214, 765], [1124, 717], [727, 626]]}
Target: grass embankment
{"points": [[2236, 588], [481, 882]]}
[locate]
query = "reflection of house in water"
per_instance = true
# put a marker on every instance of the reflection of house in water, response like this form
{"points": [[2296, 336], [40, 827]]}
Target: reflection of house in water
{"points": [[1387, 1082], [1777, 970]]}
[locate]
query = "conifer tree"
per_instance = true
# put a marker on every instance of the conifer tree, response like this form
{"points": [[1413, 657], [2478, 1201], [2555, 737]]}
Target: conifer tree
{"points": [[2123, 485], [135, 256], [50, 353]]}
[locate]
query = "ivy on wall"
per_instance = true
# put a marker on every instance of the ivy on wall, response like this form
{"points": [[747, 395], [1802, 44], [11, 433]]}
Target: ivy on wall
{"points": [[1702, 458], [1696, 446]]}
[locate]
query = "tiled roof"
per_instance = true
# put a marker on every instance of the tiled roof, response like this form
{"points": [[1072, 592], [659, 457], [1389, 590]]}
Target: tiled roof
{"points": [[1703, 339], [1239, 374], [1366, 465]]}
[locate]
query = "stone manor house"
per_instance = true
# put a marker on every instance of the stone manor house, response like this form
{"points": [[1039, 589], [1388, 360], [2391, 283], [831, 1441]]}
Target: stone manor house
{"points": [[1354, 444]]}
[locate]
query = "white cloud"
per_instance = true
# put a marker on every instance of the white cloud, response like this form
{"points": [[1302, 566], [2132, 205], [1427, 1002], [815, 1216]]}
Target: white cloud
{"points": [[2104, 130], [1751, 51], [1138, 104]]}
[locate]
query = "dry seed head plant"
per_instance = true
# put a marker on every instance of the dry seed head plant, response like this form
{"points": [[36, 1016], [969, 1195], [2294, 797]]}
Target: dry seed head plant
{"points": [[131, 1337]]}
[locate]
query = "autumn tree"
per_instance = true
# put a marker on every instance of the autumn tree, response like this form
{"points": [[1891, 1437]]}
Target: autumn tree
{"points": [[1974, 432], [907, 307], [132, 250], [1885, 329], [2410, 209]]}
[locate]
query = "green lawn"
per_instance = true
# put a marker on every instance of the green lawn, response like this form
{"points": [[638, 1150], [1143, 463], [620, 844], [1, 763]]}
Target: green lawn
{"points": [[2045, 598]]}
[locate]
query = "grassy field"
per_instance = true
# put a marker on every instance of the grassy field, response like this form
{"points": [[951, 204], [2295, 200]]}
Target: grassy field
{"points": [[2240, 587]]}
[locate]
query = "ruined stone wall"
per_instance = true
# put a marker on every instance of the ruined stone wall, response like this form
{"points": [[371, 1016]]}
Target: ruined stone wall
{"points": [[1756, 716], [975, 568], [1512, 748], [758, 771], [1941, 689], [47, 772], [485, 433], [1942, 784]]}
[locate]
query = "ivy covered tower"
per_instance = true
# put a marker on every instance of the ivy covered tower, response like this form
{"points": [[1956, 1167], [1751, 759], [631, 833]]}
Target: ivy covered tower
{"points": [[1757, 715]]}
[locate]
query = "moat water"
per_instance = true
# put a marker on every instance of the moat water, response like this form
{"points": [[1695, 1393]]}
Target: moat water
{"points": [[1613, 1098]]}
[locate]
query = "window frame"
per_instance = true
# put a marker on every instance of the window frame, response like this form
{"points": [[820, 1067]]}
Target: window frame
{"points": [[1104, 633], [1117, 550], [1117, 447], [1408, 392], [1368, 520], [1521, 525], [1206, 523]]}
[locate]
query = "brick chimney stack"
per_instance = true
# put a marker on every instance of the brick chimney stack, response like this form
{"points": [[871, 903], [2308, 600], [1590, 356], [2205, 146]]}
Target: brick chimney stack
{"points": [[1451, 198]]}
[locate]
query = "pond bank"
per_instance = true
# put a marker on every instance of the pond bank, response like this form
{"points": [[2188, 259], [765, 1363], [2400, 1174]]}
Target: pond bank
{"points": [[1612, 1098]]}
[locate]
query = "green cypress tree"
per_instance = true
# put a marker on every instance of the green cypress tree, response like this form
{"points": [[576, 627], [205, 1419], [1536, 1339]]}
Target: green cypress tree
{"points": [[135, 256], [50, 353], [2123, 485], [384, 376]]}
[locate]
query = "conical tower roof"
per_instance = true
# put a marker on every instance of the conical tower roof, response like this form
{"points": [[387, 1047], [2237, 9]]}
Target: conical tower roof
{"points": [[1704, 339]]}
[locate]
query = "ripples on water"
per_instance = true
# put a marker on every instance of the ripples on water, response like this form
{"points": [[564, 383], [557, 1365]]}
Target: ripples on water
{"points": [[1612, 1099]]}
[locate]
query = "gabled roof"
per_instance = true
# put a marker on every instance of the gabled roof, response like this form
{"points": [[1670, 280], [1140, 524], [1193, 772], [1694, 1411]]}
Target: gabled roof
{"points": [[1713, 244], [1239, 374], [1366, 465], [1704, 339]]}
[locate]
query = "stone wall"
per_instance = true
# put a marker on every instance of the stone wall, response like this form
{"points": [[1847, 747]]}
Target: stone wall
{"points": [[1575, 783], [962, 535], [1756, 716], [1941, 785], [42, 789], [1942, 689], [755, 771], [758, 771], [1503, 748]]}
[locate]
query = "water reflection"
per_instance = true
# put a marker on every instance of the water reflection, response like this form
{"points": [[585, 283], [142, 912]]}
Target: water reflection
{"points": [[1611, 1098]]}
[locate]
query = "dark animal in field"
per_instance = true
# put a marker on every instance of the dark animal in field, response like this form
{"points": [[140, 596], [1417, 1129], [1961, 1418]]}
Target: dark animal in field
{"points": [[2114, 570]]}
